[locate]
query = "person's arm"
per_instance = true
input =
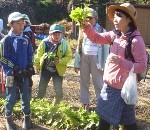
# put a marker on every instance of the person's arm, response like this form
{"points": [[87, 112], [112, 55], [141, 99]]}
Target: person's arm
{"points": [[7, 59], [39, 54], [30, 52], [95, 37], [80, 41]]}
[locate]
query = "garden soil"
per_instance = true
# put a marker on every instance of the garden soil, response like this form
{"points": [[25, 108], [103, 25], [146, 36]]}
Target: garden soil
{"points": [[71, 96]]}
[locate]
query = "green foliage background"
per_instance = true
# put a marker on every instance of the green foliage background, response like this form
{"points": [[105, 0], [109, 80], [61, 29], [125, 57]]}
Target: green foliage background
{"points": [[49, 11]]}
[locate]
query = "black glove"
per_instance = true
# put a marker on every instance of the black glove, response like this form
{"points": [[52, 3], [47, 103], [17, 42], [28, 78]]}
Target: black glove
{"points": [[30, 70], [19, 74], [17, 71]]}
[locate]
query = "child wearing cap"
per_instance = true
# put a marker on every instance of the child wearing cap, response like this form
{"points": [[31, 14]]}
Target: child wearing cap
{"points": [[111, 107], [28, 32], [51, 59], [17, 63], [90, 60]]}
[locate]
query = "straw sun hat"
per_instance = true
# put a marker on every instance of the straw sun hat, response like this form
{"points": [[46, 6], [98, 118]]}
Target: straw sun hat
{"points": [[126, 7]]}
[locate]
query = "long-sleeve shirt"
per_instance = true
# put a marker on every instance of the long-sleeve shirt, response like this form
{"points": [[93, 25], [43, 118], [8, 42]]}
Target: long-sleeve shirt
{"points": [[115, 75]]}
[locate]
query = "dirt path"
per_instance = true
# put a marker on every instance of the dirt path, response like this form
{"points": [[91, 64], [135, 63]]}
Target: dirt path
{"points": [[71, 95]]}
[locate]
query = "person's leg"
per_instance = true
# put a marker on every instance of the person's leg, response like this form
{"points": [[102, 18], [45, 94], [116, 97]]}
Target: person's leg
{"points": [[10, 99], [17, 93], [30, 85], [84, 80], [103, 125], [57, 82], [97, 76], [128, 118], [131, 127], [26, 97], [44, 79], [10, 102]]}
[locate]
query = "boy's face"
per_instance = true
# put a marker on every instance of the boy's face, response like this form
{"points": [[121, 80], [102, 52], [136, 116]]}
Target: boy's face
{"points": [[56, 37], [17, 26]]}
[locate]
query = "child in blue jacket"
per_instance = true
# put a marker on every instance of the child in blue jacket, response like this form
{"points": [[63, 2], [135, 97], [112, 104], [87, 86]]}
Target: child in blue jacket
{"points": [[17, 62]]}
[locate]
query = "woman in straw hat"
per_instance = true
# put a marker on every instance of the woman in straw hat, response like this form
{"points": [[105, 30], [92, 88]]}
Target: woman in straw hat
{"points": [[111, 107]]}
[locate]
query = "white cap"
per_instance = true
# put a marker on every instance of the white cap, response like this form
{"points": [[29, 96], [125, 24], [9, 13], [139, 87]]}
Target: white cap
{"points": [[1, 25], [15, 16]]}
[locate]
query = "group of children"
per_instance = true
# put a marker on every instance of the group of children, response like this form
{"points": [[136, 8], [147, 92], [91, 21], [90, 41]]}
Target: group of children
{"points": [[17, 52]]}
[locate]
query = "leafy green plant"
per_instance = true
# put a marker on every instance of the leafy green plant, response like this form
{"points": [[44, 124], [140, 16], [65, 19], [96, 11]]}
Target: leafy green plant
{"points": [[52, 56], [79, 15], [58, 116]]}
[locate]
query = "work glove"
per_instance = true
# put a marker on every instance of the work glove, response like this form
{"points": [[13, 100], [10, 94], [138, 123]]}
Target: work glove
{"points": [[30, 70], [19, 74]]}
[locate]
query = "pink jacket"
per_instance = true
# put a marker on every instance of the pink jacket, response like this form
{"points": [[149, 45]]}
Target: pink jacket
{"points": [[115, 75]]}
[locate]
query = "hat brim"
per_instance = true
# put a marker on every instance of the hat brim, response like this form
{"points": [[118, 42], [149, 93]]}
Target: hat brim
{"points": [[112, 8], [17, 18], [55, 31]]}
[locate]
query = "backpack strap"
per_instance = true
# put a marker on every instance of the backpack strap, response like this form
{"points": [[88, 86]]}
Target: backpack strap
{"points": [[128, 52], [64, 46]]}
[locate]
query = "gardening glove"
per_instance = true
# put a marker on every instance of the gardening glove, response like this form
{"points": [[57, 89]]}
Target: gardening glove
{"points": [[76, 69], [19, 74], [30, 70], [56, 60]]}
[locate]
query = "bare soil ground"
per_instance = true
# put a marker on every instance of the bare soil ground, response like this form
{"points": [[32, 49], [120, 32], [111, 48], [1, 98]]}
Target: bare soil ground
{"points": [[71, 95]]}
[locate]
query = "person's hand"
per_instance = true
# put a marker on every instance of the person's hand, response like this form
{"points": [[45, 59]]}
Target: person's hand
{"points": [[76, 69], [83, 24], [37, 71], [56, 62], [115, 59]]}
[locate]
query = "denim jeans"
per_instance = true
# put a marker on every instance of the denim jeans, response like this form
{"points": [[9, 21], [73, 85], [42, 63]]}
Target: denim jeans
{"points": [[45, 77], [24, 94]]}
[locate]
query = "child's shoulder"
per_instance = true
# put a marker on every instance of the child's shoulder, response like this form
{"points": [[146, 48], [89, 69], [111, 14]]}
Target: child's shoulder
{"points": [[6, 38]]}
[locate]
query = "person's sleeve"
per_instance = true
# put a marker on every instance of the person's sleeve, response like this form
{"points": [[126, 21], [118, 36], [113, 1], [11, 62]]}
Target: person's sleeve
{"points": [[7, 59], [98, 38], [39, 54], [30, 52], [77, 60]]}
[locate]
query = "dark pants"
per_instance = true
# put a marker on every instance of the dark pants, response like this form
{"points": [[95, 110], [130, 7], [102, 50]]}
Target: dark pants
{"points": [[103, 125], [45, 77]]}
